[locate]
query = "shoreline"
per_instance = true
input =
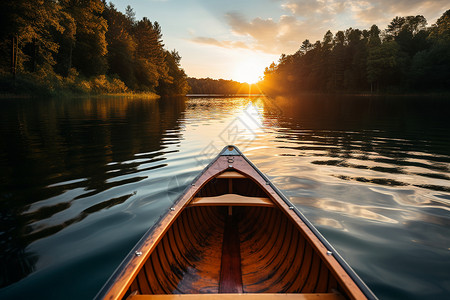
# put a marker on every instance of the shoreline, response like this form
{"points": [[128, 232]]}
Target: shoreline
{"points": [[365, 94], [72, 95]]}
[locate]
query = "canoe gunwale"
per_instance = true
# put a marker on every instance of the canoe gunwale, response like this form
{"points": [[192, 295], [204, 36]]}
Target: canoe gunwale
{"points": [[130, 266], [316, 240], [358, 281], [229, 159]]}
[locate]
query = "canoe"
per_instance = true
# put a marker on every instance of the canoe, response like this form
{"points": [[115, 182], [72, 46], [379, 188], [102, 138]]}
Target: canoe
{"points": [[230, 234]]}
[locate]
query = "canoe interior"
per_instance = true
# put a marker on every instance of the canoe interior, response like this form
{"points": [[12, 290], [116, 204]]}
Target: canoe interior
{"points": [[243, 249]]}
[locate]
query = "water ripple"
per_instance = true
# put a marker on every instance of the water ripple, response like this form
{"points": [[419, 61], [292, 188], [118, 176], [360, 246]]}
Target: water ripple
{"points": [[83, 180]]}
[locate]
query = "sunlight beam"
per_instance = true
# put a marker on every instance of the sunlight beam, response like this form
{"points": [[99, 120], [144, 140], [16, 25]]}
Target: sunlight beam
{"points": [[249, 70]]}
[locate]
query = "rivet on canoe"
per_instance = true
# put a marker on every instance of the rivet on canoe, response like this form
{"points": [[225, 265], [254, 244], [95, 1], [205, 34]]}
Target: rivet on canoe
{"points": [[172, 208], [206, 256]]}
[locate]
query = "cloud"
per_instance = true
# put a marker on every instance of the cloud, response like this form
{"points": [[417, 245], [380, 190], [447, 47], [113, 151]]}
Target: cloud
{"points": [[223, 44], [307, 8], [276, 36], [383, 11], [365, 12], [265, 35], [264, 32], [310, 19]]}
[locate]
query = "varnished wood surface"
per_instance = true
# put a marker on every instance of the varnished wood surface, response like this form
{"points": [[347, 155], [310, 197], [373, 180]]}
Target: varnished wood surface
{"points": [[328, 296], [230, 268], [231, 200], [120, 282], [349, 287], [188, 258], [240, 186], [261, 252], [230, 174], [183, 253], [276, 257]]}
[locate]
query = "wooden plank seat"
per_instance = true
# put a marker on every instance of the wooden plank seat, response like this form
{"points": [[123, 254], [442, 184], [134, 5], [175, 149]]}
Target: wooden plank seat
{"points": [[231, 174], [231, 200], [262, 296]]}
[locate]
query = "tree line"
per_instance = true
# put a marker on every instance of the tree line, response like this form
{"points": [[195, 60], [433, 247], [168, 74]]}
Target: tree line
{"points": [[84, 46], [221, 86], [406, 56]]}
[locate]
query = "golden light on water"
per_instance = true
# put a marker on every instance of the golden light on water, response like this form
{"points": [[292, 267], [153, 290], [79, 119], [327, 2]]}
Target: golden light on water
{"points": [[231, 121], [249, 123]]}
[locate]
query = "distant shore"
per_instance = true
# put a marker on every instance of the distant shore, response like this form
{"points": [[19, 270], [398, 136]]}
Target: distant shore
{"points": [[358, 94], [146, 95], [224, 95]]}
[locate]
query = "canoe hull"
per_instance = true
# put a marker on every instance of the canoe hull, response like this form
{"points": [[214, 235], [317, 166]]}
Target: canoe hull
{"points": [[274, 256], [232, 231]]}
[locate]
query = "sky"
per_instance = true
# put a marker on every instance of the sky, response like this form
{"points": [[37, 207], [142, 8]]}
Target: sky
{"points": [[237, 39]]}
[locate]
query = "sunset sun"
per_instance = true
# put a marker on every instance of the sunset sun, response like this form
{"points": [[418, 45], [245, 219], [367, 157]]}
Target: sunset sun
{"points": [[249, 70]]}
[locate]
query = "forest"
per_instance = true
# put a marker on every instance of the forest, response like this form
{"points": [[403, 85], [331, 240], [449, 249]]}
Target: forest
{"points": [[221, 86], [83, 46], [408, 56]]}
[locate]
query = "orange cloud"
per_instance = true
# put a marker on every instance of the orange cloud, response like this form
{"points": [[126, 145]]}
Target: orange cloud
{"points": [[223, 44], [365, 12], [383, 11], [310, 19], [265, 35]]}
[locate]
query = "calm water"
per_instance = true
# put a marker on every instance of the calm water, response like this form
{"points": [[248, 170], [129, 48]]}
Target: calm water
{"points": [[82, 179]]}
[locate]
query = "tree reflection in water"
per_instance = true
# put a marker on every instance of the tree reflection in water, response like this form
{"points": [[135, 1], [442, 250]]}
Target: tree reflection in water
{"points": [[58, 151]]}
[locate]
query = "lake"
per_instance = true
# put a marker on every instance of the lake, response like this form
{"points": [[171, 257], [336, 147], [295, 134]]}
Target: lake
{"points": [[83, 179]]}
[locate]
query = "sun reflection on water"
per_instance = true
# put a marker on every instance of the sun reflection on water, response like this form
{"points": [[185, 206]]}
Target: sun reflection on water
{"points": [[371, 179]]}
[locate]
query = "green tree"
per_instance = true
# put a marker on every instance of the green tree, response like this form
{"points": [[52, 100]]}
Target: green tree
{"points": [[441, 30], [431, 67], [396, 60], [175, 83], [31, 24], [355, 77], [374, 37], [90, 49], [121, 45], [130, 15], [149, 41], [409, 32], [150, 54], [395, 27], [327, 43], [384, 65], [66, 39], [305, 47]]}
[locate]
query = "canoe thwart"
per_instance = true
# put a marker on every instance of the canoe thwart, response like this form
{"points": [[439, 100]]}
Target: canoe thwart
{"points": [[231, 200], [262, 296], [231, 174]]}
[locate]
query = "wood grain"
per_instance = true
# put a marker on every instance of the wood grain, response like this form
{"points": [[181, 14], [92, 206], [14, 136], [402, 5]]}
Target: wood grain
{"points": [[267, 247], [231, 200], [230, 269], [322, 296]]}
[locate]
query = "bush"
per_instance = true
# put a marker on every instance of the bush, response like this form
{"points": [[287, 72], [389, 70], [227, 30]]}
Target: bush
{"points": [[102, 84]]}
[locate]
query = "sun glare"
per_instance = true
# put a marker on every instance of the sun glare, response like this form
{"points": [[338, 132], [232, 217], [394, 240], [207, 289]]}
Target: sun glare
{"points": [[249, 70]]}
